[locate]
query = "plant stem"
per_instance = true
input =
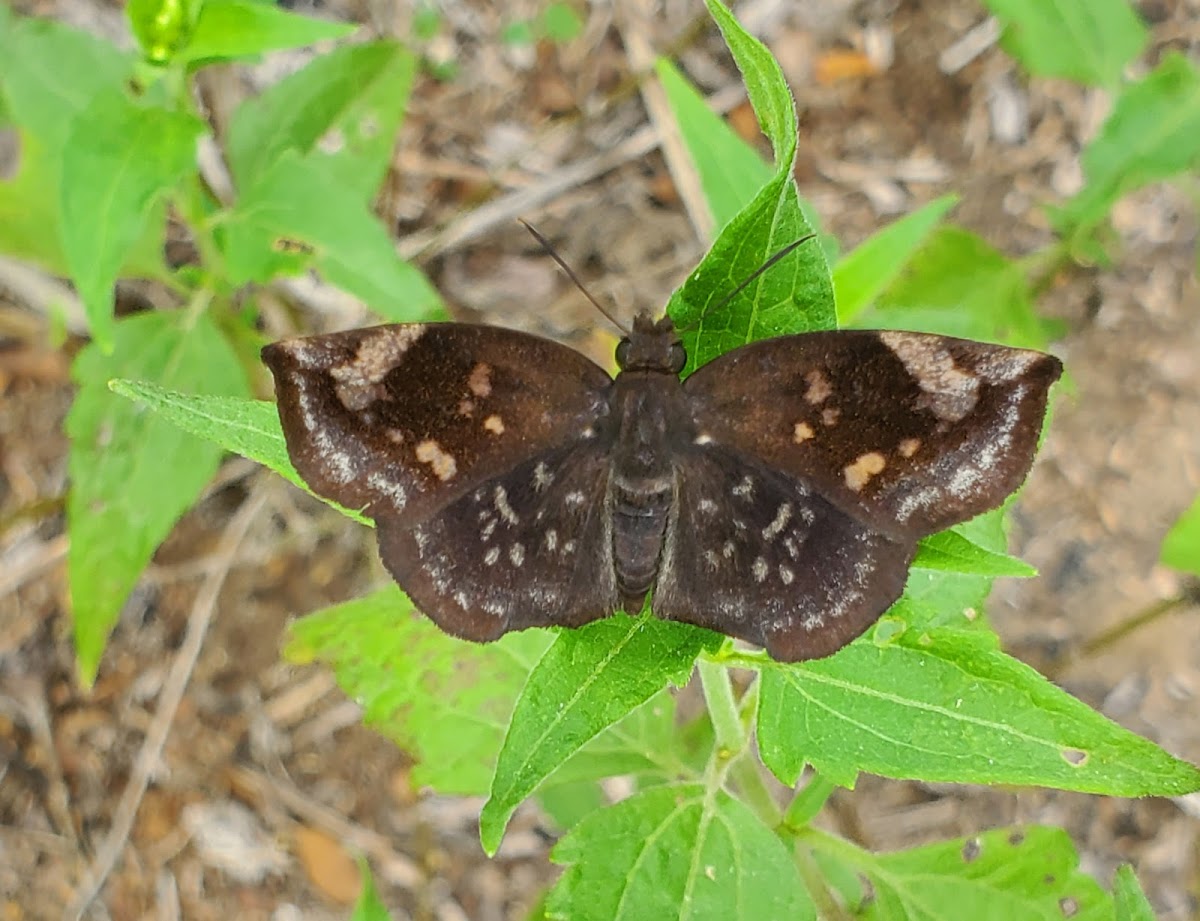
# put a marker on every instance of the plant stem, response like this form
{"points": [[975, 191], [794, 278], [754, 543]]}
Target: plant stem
{"points": [[722, 708]]}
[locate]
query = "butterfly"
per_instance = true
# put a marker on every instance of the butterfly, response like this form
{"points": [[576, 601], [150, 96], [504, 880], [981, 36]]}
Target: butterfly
{"points": [[776, 495]]}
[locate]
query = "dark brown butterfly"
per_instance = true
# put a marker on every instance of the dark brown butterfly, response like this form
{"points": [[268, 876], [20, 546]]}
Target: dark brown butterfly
{"points": [[776, 495]]}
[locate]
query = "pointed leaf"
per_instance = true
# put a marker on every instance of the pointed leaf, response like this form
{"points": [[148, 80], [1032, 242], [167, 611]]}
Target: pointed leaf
{"points": [[589, 679], [948, 706], [345, 106], [1181, 548], [300, 200], [132, 473], [860, 276], [244, 28], [953, 552], [1131, 901], [120, 159]]}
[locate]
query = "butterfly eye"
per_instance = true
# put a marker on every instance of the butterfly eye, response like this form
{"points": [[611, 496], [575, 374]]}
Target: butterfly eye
{"points": [[623, 354], [678, 358]]}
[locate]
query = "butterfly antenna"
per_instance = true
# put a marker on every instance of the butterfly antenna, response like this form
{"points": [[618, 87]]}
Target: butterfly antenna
{"points": [[571, 275], [782, 254]]}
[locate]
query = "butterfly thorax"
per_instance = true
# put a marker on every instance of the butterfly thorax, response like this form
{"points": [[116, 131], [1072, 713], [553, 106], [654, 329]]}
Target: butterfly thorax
{"points": [[650, 421]]}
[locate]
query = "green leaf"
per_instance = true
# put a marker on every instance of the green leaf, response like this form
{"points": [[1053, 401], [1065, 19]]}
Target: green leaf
{"points": [[676, 851], [794, 296], [518, 32], [951, 551], [1153, 133], [1028, 873], [246, 427], [731, 172], [344, 108], [244, 28], [52, 72], [860, 276], [443, 700], [589, 679], [948, 706], [1181, 548], [302, 200], [120, 159], [1131, 901], [1089, 42], [642, 743], [132, 473], [958, 285], [953, 594], [29, 219], [368, 907]]}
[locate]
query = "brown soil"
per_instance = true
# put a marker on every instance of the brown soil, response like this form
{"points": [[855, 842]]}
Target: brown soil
{"points": [[267, 782]]}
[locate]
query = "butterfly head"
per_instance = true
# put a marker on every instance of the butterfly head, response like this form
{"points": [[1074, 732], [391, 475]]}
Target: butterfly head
{"points": [[652, 345]]}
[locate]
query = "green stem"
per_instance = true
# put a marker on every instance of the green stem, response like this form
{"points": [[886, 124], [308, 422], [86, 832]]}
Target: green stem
{"points": [[722, 708]]}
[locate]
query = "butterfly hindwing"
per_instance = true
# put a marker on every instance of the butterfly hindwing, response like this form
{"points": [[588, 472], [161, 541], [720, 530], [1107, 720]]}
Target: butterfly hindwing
{"points": [[756, 554], [402, 419], [908, 432], [531, 548]]}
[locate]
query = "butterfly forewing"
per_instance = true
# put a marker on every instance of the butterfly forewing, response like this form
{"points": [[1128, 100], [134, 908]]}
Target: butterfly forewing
{"points": [[759, 555], [907, 432], [402, 419]]}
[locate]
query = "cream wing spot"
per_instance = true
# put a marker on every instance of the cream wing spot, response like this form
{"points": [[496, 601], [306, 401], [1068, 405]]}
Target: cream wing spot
{"points": [[802, 432], [909, 446], [830, 417], [440, 462], [494, 424], [819, 389], [859, 473], [479, 382]]}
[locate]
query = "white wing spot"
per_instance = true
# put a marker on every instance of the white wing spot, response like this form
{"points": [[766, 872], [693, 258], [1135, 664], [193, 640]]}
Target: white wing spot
{"points": [[744, 489], [542, 477], [500, 498], [759, 569], [830, 417], [442, 463], [727, 550], [494, 424], [488, 527], [859, 473], [551, 539], [569, 547], [460, 598], [358, 382], [516, 554], [711, 561], [703, 439], [786, 576], [775, 528], [491, 556], [951, 393], [389, 487], [708, 506], [575, 497]]}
